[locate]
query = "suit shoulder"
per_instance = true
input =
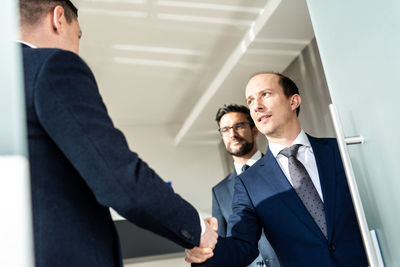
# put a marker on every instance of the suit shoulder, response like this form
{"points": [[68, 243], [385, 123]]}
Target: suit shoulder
{"points": [[58, 64], [330, 141], [67, 58], [252, 171], [43, 53], [222, 183], [44, 56], [325, 140]]}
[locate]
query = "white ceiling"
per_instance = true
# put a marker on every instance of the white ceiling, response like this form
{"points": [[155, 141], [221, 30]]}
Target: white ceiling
{"points": [[167, 62]]}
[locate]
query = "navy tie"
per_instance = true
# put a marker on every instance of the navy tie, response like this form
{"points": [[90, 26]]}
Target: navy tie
{"points": [[245, 167], [305, 188]]}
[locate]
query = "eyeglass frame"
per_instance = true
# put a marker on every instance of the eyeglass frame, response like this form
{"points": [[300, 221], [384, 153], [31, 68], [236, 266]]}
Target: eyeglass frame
{"points": [[239, 126]]}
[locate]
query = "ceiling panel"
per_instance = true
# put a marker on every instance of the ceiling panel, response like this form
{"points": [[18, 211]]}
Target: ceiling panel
{"points": [[154, 59]]}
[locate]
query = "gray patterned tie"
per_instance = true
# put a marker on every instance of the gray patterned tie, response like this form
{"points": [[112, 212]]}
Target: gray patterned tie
{"points": [[305, 188]]}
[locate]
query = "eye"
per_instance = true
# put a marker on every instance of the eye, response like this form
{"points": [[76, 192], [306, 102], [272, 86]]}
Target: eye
{"points": [[223, 129], [249, 102], [240, 126], [266, 94]]}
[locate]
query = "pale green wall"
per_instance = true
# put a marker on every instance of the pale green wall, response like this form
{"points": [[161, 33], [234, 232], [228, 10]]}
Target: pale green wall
{"points": [[12, 108], [359, 42], [16, 244]]}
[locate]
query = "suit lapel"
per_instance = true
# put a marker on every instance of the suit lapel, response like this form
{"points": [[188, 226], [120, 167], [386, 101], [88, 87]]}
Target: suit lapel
{"points": [[226, 191], [231, 184], [274, 176], [326, 170]]}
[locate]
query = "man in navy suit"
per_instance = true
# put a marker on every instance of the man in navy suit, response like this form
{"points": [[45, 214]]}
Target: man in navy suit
{"points": [[80, 164], [239, 135], [312, 227]]}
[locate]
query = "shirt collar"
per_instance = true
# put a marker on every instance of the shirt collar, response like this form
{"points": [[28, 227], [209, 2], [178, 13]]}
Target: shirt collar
{"points": [[250, 162], [301, 139], [26, 43]]}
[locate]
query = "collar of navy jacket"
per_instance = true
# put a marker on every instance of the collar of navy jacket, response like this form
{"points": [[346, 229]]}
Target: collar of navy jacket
{"points": [[267, 172]]}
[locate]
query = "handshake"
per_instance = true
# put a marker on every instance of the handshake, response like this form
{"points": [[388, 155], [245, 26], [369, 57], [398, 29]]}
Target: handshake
{"points": [[207, 243]]}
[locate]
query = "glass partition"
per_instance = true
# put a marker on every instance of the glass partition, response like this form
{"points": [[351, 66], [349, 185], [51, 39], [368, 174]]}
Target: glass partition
{"points": [[359, 46], [16, 224]]}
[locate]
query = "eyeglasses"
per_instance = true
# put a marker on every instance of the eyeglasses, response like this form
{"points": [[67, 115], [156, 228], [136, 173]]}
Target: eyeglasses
{"points": [[237, 127]]}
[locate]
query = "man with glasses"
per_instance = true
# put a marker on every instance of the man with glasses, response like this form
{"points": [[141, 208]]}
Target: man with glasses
{"points": [[80, 164], [239, 135]]}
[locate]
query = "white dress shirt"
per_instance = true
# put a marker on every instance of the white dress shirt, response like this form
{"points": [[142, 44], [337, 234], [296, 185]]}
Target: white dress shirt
{"points": [[25, 43], [250, 162], [305, 155]]}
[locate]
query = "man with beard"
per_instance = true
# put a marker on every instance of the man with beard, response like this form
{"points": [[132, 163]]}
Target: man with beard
{"points": [[239, 135]]}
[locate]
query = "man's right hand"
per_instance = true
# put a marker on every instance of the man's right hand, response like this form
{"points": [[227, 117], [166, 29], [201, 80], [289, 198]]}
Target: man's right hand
{"points": [[207, 243]]}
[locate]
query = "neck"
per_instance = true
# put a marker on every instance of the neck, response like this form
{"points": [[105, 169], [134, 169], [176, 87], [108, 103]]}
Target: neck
{"points": [[40, 34], [243, 159], [36, 37], [286, 135]]}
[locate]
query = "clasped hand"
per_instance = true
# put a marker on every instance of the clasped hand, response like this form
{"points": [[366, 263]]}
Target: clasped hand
{"points": [[207, 243]]}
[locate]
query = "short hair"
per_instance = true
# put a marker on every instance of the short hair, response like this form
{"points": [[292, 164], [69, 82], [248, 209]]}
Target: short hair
{"points": [[225, 109], [287, 84], [32, 11]]}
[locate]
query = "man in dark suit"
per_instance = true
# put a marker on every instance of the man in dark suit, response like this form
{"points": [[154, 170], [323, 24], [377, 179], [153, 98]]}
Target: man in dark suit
{"points": [[80, 164], [297, 193], [239, 135]]}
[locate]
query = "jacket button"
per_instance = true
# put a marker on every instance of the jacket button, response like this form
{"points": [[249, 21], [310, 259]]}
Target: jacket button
{"points": [[185, 233], [332, 247]]}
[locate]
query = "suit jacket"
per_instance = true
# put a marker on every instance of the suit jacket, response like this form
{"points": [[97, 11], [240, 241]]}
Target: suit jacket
{"points": [[264, 199], [81, 165], [222, 195]]}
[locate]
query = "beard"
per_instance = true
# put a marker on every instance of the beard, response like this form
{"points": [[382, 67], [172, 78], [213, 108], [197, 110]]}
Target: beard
{"points": [[244, 149]]}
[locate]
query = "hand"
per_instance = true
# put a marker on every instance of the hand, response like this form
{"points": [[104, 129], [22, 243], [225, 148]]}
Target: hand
{"points": [[207, 243], [210, 236]]}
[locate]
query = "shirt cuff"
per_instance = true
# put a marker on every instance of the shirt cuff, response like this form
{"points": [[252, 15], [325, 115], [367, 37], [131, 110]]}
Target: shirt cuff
{"points": [[202, 224]]}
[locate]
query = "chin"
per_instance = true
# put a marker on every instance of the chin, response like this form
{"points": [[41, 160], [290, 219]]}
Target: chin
{"points": [[234, 151], [268, 129], [263, 128], [265, 131]]}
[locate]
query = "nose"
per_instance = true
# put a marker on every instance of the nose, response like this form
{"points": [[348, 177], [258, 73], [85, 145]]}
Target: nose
{"points": [[258, 105], [232, 132]]}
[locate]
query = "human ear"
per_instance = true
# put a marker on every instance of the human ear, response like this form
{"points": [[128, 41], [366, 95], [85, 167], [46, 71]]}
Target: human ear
{"points": [[57, 17], [295, 101]]}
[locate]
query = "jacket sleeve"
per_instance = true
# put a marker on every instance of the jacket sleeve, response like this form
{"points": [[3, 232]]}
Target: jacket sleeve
{"points": [[70, 109], [217, 213], [240, 248]]}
